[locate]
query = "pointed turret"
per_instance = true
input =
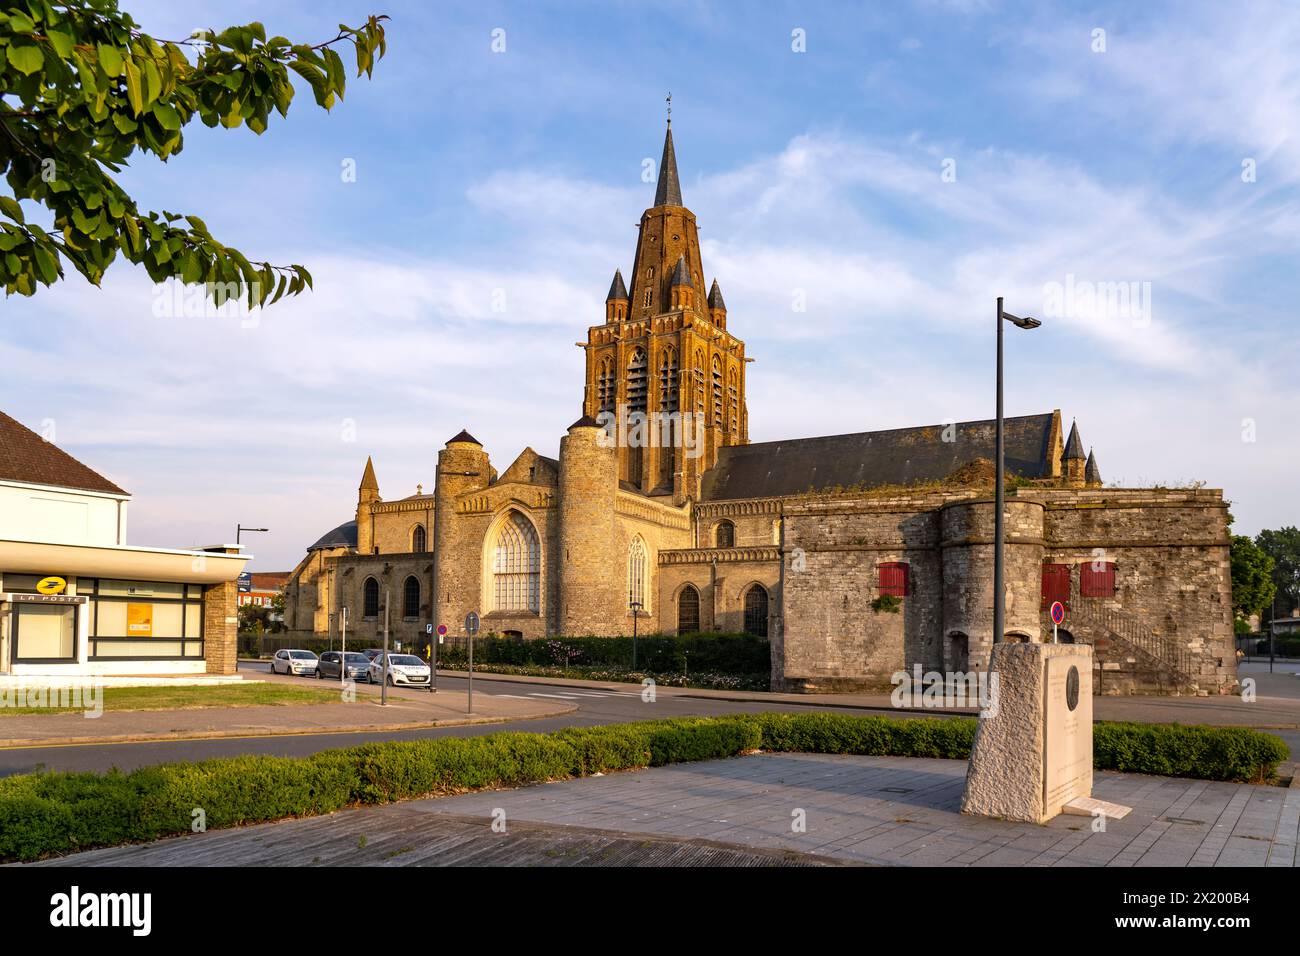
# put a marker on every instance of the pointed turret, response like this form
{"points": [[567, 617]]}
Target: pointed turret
{"points": [[681, 274], [367, 496], [717, 308], [669, 190], [616, 301], [1091, 473], [1074, 458]]}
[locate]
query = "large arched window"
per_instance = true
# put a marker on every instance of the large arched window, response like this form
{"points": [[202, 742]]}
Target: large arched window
{"points": [[724, 536], [688, 610], [638, 585], [717, 390], [516, 566], [419, 539], [606, 387], [756, 611], [370, 598], [411, 597]]}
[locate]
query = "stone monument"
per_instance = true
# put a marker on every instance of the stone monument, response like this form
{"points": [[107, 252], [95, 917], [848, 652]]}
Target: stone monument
{"points": [[1032, 757]]}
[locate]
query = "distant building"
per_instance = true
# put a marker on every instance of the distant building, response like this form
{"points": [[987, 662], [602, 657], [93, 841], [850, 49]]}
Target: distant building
{"points": [[857, 555], [262, 588], [75, 599]]}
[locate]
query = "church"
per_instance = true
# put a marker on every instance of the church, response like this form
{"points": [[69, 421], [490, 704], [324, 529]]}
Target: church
{"points": [[856, 555]]}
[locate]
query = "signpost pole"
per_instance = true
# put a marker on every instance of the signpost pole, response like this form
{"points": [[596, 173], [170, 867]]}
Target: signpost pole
{"points": [[471, 628], [383, 692], [343, 643]]}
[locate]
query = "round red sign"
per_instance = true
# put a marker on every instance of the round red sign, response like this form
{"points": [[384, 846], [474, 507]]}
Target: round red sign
{"points": [[1058, 612]]}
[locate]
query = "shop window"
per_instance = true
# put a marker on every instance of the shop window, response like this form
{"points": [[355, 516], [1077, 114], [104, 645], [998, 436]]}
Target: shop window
{"points": [[146, 620], [44, 632]]}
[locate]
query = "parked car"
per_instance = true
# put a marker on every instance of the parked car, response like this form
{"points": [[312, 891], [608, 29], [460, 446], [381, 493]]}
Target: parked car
{"points": [[402, 669], [356, 664], [372, 652], [294, 662]]}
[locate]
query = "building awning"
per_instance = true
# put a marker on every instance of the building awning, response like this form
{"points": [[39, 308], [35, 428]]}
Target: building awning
{"points": [[134, 564]]}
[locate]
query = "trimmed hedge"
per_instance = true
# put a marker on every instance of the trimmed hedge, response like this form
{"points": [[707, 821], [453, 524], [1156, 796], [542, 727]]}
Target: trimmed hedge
{"points": [[50, 813], [662, 653]]}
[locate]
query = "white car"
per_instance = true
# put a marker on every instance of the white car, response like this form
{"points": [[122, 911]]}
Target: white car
{"points": [[294, 662], [402, 669]]}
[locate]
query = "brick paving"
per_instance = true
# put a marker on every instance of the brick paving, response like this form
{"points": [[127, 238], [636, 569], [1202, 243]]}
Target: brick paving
{"points": [[859, 810]]}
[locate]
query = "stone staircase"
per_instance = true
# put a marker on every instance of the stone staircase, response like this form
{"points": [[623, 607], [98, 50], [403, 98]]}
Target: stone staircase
{"points": [[1166, 657]]}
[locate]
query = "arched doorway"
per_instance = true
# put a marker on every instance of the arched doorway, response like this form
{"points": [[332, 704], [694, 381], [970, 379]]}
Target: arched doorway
{"points": [[958, 653]]}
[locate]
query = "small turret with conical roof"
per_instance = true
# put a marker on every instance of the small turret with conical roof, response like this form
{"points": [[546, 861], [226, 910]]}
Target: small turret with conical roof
{"points": [[717, 308], [616, 301], [367, 498], [1091, 473], [683, 289], [1074, 460]]}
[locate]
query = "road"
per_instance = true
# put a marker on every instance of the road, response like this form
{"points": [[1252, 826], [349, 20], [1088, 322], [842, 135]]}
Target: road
{"points": [[594, 707]]}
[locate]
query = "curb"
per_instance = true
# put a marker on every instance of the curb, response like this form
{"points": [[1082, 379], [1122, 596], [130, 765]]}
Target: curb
{"points": [[23, 743]]}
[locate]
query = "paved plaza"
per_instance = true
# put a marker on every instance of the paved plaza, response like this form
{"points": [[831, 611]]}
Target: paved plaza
{"points": [[858, 810]]}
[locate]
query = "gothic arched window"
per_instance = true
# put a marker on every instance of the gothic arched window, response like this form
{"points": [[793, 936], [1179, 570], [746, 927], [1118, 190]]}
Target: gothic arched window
{"points": [[606, 393], [756, 611], [668, 380], [717, 391], [419, 539], [411, 597], [516, 566], [688, 610], [637, 382], [638, 584], [725, 535], [370, 598]]}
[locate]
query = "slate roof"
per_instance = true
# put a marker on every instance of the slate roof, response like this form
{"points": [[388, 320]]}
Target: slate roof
{"points": [[681, 274], [900, 456], [1091, 473], [26, 456], [715, 297], [669, 190], [344, 536], [1073, 445], [617, 290], [465, 436]]}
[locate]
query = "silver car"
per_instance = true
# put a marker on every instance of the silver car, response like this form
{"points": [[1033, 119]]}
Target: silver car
{"points": [[294, 662], [356, 665], [402, 669]]}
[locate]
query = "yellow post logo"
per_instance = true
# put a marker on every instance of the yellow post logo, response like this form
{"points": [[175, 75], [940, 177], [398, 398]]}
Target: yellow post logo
{"points": [[51, 585]]}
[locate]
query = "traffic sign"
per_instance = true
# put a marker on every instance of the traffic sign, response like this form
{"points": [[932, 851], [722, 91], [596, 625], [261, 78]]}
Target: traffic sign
{"points": [[471, 623], [1058, 612], [442, 630], [428, 629]]}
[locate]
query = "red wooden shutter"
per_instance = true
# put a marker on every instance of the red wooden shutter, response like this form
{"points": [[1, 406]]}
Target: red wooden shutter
{"points": [[1056, 584], [894, 578], [1097, 579]]}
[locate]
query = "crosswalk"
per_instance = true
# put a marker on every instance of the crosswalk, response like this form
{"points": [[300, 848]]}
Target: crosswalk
{"points": [[575, 695]]}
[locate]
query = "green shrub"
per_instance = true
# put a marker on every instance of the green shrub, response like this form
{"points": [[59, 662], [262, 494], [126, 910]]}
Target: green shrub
{"points": [[49, 813], [655, 653]]}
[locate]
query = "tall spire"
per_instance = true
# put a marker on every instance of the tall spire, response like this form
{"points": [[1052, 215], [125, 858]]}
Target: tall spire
{"points": [[669, 190], [1073, 446]]}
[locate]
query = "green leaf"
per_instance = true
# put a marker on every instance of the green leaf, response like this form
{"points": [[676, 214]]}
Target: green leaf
{"points": [[152, 81], [11, 209], [61, 40], [125, 125], [25, 56], [133, 233], [46, 264], [20, 23], [110, 58], [167, 116], [133, 87], [337, 75]]}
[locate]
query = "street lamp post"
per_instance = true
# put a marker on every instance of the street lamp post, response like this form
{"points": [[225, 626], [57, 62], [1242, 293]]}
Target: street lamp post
{"points": [[999, 589], [636, 612], [240, 529]]}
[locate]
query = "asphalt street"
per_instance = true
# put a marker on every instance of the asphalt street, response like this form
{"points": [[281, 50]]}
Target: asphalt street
{"points": [[594, 707]]}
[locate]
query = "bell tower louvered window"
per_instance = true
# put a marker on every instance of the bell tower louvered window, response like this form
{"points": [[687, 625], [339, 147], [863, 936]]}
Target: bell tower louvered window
{"points": [[606, 390], [668, 381], [637, 382], [717, 391]]}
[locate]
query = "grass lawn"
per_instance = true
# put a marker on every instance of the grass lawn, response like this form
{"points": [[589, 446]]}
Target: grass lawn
{"points": [[181, 698]]}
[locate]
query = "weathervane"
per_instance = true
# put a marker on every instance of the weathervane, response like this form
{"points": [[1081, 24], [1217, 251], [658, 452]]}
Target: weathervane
{"points": [[670, 108]]}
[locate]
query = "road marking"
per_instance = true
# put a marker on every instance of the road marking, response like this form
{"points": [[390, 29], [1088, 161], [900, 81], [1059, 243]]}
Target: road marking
{"points": [[511, 696], [560, 696]]}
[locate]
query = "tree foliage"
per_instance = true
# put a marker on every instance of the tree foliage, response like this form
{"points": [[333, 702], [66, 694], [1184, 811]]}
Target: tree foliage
{"points": [[1252, 577], [1283, 546], [82, 89]]}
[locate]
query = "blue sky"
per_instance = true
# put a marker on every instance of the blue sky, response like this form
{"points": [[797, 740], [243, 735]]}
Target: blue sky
{"points": [[816, 176]]}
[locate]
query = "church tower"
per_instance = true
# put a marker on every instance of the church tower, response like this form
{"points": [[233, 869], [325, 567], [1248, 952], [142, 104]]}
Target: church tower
{"points": [[664, 358]]}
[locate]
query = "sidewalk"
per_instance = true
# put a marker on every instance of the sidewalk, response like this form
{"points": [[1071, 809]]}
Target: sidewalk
{"points": [[1276, 707], [855, 810], [404, 712]]}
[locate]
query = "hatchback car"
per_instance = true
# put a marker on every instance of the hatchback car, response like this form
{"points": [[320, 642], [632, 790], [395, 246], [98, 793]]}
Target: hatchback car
{"points": [[402, 669], [294, 662], [355, 665]]}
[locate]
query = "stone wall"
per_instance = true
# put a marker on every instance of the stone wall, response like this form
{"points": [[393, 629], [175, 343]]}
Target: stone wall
{"points": [[221, 628]]}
